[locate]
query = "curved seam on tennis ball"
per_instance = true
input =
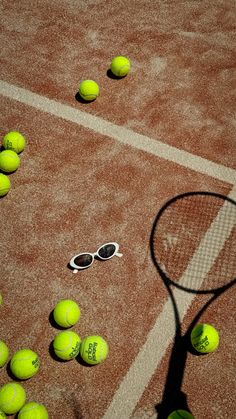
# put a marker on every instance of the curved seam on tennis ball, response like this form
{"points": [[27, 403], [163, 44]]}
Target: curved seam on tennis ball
{"points": [[22, 359], [89, 96], [65, 348], [123, 67], [27, 409], [6, 153], [101, 351], [12, 157], [6, 187], [4, 351], [9, 401], [67, 313]]}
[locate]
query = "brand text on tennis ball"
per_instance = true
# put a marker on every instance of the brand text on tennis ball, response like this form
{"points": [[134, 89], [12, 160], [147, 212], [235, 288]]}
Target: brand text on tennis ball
{"points": [[94, 349], [15, 141], [66, 345], [24, 364], [204, 338]]}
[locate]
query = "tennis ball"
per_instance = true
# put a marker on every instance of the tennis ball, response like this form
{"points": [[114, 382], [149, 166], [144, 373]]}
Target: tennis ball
{"points": [[120, 66], [94, 349], [33, 410], [2, 415], [15, 141], [24, 364], [4, 353], [9, 161], [204, 338], [66, 313], [66, 345], [180, 414], [88, 90], [12, 398], [5, 184], [1, 299]]}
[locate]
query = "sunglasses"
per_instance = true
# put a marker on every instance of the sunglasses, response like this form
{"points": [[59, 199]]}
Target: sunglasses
{"points": [[85, 260]]}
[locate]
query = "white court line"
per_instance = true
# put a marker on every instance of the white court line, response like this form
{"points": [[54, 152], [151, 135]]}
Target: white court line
{"points": [[161, 335], [119, 133]]}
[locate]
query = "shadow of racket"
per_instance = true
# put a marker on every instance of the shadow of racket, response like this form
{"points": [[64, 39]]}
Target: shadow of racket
{"points": [[193, 246]]}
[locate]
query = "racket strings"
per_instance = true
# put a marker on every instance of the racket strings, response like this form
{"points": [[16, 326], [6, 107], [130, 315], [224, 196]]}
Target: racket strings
{"points": [[195, 242]]}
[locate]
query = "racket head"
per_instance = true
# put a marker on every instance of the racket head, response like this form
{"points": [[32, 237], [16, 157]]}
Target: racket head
{"points": [[193, 242]]}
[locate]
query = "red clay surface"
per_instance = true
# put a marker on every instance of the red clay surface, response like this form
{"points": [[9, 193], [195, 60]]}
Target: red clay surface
{"points": [[208, 380], [181, 89], [76, 189]]}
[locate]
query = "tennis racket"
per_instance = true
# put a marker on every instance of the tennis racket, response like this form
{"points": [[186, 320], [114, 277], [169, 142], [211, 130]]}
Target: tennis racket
{"points": [[193, 246]]}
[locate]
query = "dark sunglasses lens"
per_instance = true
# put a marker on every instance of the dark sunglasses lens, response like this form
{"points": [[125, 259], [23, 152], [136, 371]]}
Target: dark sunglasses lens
{"points": [[83, 260], [107, 251]]}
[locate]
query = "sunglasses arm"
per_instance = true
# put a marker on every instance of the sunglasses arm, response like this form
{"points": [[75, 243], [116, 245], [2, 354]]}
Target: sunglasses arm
{"points": [[119, 255]]}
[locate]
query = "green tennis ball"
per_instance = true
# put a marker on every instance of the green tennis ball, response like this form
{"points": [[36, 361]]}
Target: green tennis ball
{"points": [[66, 345], [94, 349], [33, 410], [5, 184], [24, 364], [180, 414], [2, 415], [88, 90], [66, 313], [1, 297], [9, 161], [120, 66], [12, 398], [15, 141], [204, 338], [4, 353]]}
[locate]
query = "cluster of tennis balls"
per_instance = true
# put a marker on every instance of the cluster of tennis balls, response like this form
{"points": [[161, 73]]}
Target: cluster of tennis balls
{"points": [[204, 339], [25, 363], [13, 143], [68, 344], [89, 89]]}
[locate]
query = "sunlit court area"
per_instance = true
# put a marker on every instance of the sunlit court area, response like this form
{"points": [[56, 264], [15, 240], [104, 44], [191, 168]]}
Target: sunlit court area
{"points": [[117, 209]]}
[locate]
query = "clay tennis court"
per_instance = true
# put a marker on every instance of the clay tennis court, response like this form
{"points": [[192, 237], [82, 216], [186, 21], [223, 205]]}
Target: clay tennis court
{"points": [[99, 172]]}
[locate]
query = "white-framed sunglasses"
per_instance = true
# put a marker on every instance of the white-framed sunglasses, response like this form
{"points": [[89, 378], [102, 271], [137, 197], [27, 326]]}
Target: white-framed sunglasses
{"points": [[85, 260]]}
